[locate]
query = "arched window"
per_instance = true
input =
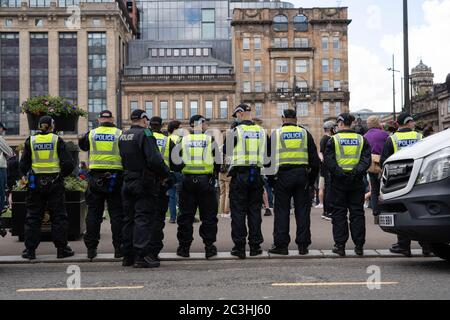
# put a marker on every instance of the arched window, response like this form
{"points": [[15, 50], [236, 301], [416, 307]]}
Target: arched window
{"points": [[280, 23], [301, 23]]}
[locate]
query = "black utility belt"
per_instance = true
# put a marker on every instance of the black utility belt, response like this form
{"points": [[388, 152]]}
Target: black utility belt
{"points": [[289, 168], [244, 169]]}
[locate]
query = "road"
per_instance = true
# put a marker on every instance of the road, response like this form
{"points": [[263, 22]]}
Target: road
{"points": [[401, 278]]}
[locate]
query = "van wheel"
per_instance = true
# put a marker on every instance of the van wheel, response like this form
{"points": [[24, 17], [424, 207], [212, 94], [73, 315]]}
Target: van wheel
{"points": [[442, 250]]}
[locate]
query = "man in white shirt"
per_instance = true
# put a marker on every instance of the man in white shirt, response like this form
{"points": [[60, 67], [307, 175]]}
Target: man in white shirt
{"points": [[5, 153]]}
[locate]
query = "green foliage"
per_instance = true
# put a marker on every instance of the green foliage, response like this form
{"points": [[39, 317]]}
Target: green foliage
{"points": [[52, 106], [71, 183]]}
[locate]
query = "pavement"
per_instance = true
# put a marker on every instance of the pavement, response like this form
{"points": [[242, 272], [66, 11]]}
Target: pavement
{"points": [[377, 242]]}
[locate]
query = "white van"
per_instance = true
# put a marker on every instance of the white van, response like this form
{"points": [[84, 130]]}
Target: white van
{"points": [[415, 193]]}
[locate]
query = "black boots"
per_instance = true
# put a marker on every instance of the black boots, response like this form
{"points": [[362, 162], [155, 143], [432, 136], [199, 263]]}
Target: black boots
{"points": [[397, 249], [238, 252], [279, 250], [91, 253], [255, 251], [303, 250], [359, 250], [29, 254], [339, 250], [183, 251], [127, 261], [148, 261], [210, 251], [64, 252]]}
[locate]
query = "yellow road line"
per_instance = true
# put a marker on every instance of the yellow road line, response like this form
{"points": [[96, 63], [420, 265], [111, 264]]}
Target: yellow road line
{"points": [[79, 289], [330, 284]]}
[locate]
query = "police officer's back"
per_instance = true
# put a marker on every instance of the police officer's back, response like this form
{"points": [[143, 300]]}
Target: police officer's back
{"points": [[46, 162], [105, 182], [347, 157], [143, 167]]}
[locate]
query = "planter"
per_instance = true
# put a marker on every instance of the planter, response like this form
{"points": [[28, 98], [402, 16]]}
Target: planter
{"points": [[76, 210], [62, 123]]}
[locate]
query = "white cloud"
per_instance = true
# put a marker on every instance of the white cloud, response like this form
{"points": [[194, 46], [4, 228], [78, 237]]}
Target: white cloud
{"points": [[373, 21]]}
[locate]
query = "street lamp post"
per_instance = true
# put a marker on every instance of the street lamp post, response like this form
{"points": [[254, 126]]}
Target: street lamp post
{"points": [[393, 85], [407, 105]]}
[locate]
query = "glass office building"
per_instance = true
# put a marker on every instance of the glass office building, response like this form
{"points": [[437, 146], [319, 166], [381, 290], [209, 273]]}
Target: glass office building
{"points": [[192, 19]]}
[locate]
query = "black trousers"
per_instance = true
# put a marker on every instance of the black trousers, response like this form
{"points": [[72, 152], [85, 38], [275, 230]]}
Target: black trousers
{"points": [[348, 198], [197, 192], [374, 192], [290, 184], [328, 196], [140, 207], [246, 198], [95, 200], [51, 198], [157, 234]]}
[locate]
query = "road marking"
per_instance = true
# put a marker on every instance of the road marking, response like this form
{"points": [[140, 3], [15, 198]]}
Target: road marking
{"points": [[329, 284], [79, 289]]}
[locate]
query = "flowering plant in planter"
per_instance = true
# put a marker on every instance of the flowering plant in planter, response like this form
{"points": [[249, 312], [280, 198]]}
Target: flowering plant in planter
{"points": [[52, 106]]}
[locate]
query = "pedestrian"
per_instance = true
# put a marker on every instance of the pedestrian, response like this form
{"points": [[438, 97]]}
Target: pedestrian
{"points": [[105, 183], [173, 192], [376, 137], [198, 188], [404, 137], [165, 146], [143, 168], [325, 179], [246, 144], [347, 158], [297, 167], [428, 131], [224, 185], [13, 175], [46, 162], [5, 153]]}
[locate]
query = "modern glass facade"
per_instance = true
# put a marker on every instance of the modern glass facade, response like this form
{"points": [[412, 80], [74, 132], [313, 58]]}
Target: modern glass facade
{"points": [[96, 75], [38, 64], [68, 80], [9, 82]]}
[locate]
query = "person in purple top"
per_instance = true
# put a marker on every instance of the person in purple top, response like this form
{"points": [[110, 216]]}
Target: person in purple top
{"points": [[376, 138]]}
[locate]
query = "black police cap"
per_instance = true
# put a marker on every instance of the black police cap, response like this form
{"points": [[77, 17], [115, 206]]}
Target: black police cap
{"points": [[404, 118], [46, 120], [197, 118], [105, 114], [241, 108], [156, 120], [289, 114], [347, 118], [138, 114]]}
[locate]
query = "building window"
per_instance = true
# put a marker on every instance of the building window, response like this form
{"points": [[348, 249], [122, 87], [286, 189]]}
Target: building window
{"points": [[326, 108], [193, 108], [168, 70], [281, 106], [247, 86], [133, 105], [8, 23], [191, 52], [281, 66], [325, 85], [190, 70], [175, 70], [176, 52], [213, 69], [208, 109], [183, 70], [336, 44], [257, 43], [246, 43], [208, 24], [169, 52], [154, 52], [160, 70], [68, 66], [280, 42], [9, 82], [205, 52], [325, 43], [198, 52], [282, 86], [38, 64], [258, 109], [448, 106], [300, 23], [149, 108], [302, 86], [161, 53], [325, 66], [302, 109], [337, 108], [280, 23], [257, 66], [301, 42], [206, 69], [163, 109], [183, 52], [258, 86], [301, 66], [337, 85], [223, 109], [198, 69], [179, 110], [336, 65], [246, 66], [96, 75]]}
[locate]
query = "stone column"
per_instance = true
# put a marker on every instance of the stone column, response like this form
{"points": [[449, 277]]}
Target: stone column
{"points": [[82, 44], [111, 71], [24, 71], [53, 63]]}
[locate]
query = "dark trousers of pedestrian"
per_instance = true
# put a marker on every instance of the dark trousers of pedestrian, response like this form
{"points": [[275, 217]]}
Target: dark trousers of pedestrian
{"points": [[50, 197], [140, 207], [405, 242], [96, 205], [246, 197], [3, 183], [327, 195], [374, 192], [197, 192], [157, 234], [290, 184], [348, 199]]}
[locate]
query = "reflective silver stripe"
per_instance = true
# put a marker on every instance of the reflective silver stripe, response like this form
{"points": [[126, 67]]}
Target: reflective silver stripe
{"points": [[293, 160], [352, 156], [195, 168], [51, 152], [106, 162], [114, 150]]}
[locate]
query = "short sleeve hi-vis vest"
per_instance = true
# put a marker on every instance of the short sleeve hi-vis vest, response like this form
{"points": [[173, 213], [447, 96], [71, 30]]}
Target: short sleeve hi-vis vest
{"points": [[44, 153], [104, 148], [348, 147], [250, 146], [197, 154], [402, 140], [163, 144], [292, 146]]}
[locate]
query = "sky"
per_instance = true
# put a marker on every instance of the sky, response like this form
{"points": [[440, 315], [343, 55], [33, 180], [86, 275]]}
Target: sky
{"points": [[376, 33]]}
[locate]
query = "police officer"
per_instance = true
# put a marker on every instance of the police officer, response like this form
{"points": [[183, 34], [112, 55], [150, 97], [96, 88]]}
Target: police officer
{"points": [[143, 167], [46, 161], [105, 182], [347, 158], [165, 146], [294, 155], [198, 151], [172, 129], [246, 146], [404, 137]]}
